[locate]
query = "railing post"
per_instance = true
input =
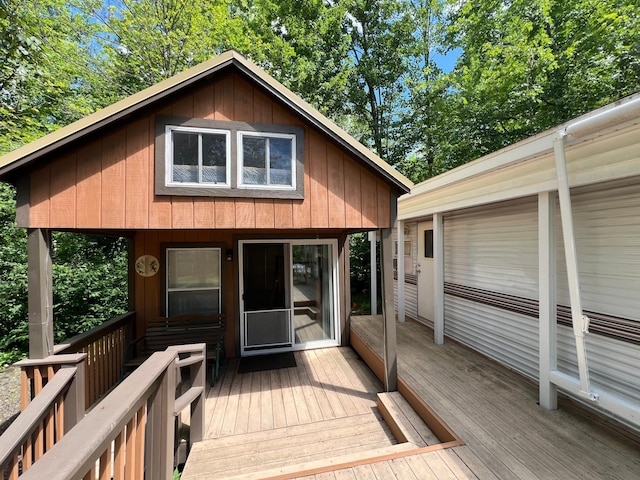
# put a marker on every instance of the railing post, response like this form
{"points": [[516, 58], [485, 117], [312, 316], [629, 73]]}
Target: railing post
{"points": [[74, 405], [158, 456], [198, 379]]}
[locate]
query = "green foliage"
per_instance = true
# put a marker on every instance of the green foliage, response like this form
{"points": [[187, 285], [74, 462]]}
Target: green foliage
{"points": [[45, 69], [527, 66], [13, 281], [380, 32], [89, 282], [360, 264]]}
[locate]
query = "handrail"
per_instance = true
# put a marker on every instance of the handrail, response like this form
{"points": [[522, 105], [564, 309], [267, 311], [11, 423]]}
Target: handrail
{"points": [[105, 348], [20, 432], [84, 445], [145, 400], [84, 339]]}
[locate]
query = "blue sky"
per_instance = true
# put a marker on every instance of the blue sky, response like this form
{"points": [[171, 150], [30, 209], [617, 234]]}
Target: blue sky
{"points": [[448, 61]]}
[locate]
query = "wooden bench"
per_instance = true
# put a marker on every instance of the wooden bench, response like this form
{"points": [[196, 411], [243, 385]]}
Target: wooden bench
{"points": [[180, 330]]}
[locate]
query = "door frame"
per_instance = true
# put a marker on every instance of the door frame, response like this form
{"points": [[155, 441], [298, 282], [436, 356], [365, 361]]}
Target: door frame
{"points": [[335, 311]]}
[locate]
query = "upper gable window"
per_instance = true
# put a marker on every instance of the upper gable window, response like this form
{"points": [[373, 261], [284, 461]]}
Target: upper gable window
{"points": [[197, 156], [267, 160]]}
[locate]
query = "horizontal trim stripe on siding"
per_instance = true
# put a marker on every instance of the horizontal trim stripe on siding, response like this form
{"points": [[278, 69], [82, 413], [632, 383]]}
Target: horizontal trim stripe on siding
{"points": [[624, 329], [409, 278]]}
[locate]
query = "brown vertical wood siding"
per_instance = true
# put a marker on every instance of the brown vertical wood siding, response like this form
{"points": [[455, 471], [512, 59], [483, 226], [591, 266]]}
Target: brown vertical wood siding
{"points": [[149, 296], [108, 182]]}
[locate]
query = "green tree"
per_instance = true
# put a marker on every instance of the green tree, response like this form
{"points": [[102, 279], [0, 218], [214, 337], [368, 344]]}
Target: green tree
{"points": [[145, 42], [89, 281], [427, 86], [527, 66], [14, 331], [302, 44], [45, 70], [381, 34]]}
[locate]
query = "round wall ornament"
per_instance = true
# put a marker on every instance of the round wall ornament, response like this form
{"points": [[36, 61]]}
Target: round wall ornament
{"points": [[147, 265]]}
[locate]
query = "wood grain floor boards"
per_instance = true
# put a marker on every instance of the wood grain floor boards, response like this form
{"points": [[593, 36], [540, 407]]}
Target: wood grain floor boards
{"points": [[495, 413], [533, 433], [323, 411]]}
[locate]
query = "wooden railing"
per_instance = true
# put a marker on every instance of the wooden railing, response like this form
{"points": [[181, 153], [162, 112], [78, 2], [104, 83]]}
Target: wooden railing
{"points": [[104, 347], [58, 406], [131, 433]]}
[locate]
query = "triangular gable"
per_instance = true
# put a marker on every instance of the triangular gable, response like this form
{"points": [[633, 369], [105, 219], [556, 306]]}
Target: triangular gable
{"points": [[105, 117]]}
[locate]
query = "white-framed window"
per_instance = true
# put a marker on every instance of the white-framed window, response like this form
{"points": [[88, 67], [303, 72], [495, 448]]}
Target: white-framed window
{"points": [[193, 282], [267, 160], [197, 156], [220, 158]]}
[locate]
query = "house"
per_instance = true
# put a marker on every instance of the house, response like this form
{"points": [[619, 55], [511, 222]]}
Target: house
{"points": [[238, 198], [531, 257]]}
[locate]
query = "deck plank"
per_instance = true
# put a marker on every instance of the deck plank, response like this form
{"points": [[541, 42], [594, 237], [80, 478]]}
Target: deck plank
{"points": [[277, 398], [266, 402], [323, 403]]}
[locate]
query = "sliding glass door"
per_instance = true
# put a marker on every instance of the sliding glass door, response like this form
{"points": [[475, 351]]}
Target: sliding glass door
{"points": [[288, 295]]}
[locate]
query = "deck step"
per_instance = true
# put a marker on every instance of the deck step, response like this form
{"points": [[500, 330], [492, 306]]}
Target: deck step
{"points": [[405, 423], [290, 448], [332, 462]]}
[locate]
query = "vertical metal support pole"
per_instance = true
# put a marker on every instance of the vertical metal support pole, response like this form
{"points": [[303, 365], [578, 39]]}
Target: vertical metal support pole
{"points": [[401, 272], [373, 257], [438, 279], [40, 280], [580, 322], [390, 354], [548, 393]]}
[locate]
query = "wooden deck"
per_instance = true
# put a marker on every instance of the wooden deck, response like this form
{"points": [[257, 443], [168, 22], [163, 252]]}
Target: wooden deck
{"points": [[322, 413]]}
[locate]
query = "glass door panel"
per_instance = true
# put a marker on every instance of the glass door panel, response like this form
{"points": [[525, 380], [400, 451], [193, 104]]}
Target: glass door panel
{"points": [[313, 302]]}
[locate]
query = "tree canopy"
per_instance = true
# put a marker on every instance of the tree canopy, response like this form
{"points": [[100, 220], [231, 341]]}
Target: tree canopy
{"points": [[521, 66]]}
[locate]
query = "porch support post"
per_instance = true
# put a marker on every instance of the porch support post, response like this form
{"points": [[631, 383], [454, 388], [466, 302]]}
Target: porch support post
{"points": [[547, 323], [390, 356], [401, 272], [373, 257], [438, 279], [40, 281]]}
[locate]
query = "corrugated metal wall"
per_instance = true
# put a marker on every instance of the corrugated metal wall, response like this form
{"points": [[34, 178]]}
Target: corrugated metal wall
{"points": [[607, 226], [496, 248]]}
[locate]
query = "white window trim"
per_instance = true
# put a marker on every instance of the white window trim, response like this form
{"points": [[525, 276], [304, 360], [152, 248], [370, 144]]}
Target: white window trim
{"points": [[267, 135], [169, 129], [168, 289]]}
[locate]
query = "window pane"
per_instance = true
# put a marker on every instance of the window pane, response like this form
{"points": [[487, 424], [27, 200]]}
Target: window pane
{"points": [[280, 160], [254, 171], [185, 157], [200, 301], [193, 268], [214, 158]]}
